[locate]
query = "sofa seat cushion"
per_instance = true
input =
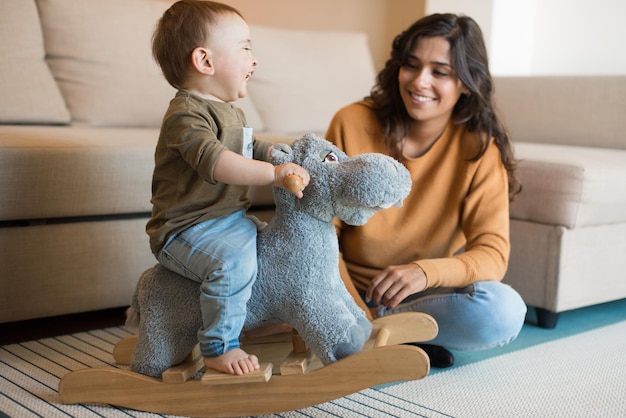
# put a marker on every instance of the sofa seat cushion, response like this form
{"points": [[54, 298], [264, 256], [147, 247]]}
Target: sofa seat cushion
{"points": [[570, 186], [63, 171], [72, 171]]}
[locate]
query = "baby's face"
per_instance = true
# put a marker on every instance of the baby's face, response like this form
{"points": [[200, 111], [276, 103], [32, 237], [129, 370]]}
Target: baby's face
{"points": [[232, 57]]}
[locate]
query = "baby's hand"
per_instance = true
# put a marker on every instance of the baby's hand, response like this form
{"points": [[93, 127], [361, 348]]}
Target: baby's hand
{"points": [[281, 172]]}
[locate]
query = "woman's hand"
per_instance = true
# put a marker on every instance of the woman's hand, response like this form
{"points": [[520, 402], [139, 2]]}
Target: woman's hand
{"points": [[395, 283]]}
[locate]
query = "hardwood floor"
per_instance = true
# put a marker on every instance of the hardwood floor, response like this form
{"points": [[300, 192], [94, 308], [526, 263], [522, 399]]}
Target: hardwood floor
{"points": [[15, 332]]}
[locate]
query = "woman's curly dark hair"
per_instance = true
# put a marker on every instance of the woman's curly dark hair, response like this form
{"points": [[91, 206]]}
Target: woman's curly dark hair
{"points": [[471, 65]]}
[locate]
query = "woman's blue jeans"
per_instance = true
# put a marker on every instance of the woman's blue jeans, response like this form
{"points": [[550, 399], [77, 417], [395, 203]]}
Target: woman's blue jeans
{"points": [[482, 315], [220, 254]]}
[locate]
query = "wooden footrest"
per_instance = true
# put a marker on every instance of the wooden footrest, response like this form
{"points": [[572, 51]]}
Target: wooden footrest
{"points": [[192, 364], [263, 374], [296, 363]]}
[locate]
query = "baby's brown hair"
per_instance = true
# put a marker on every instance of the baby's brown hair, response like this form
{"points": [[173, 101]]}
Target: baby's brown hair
{"points": [[183, 27]]}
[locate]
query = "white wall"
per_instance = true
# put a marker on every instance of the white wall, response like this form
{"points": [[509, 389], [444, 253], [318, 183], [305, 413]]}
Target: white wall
{"points": [[548, 37]]}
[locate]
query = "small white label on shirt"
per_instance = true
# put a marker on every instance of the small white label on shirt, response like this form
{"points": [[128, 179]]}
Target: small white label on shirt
{"points": [[247, 142]]}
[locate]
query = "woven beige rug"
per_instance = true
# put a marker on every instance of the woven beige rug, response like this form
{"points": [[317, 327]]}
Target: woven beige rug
{"points": [[579, 376]]}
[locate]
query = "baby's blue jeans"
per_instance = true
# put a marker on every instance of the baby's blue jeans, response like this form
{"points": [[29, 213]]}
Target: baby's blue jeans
{"points": [[220, 254], [482, 315]]}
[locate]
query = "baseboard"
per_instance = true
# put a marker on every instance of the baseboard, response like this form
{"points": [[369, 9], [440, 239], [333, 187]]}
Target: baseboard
{"points": [[34, 329]]}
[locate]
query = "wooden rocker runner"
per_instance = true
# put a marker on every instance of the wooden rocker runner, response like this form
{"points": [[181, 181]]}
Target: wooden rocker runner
{"points": [[303, 382]]}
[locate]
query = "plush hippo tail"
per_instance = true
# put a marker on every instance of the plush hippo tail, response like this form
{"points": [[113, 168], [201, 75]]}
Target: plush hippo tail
{"points": [[132, 319], [132, 314]]}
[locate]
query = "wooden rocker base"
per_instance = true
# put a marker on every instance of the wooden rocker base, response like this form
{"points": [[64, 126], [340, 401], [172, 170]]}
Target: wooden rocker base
{"points": [[381, 361]]}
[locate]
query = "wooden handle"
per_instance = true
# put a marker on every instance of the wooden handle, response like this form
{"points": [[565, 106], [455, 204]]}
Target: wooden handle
{"points": [[293, 183], [382, 337]]}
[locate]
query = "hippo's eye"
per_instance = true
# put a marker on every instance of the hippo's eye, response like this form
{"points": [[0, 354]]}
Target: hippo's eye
{"points": [[330, 157]]}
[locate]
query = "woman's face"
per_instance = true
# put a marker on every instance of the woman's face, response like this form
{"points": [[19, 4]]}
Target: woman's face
{"points": [[429, 86]]}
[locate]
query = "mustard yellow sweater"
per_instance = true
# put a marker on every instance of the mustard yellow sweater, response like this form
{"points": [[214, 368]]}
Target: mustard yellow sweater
{"points": [[454, 223]]}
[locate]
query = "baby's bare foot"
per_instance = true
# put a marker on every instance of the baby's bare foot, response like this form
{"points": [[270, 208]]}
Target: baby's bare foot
{"points": [[235, 361]]}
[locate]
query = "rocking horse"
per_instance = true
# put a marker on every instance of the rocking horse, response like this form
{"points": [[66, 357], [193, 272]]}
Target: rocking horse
{"points": [[334, 350]]}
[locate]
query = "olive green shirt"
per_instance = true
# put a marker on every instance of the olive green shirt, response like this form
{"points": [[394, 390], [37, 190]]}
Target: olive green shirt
{"points": [[194, 133]]}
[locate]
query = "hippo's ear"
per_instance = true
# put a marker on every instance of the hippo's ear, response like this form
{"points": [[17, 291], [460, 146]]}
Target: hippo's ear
{"points": [[281, 153]]}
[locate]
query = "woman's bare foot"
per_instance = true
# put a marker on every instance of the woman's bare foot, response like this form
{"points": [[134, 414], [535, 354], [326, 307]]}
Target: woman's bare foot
{"points": [[235, 361]]}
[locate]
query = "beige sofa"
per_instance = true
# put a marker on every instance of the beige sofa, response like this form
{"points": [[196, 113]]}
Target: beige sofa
{"points": [[82, 102], [568, 226], [81, 106]]}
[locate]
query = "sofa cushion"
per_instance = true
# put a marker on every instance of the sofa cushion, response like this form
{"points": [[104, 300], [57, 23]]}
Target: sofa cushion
{"points": [[570, 186], [100, 53], [28, 90], [304, 77], [583, 110], [252, 115], [52, 172], [72, 171]]}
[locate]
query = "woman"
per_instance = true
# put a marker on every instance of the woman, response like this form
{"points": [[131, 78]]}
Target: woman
{"points": [[446, 250]]}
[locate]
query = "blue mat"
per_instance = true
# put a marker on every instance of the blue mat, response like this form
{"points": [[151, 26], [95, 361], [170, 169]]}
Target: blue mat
{"points": [[570, 323]]}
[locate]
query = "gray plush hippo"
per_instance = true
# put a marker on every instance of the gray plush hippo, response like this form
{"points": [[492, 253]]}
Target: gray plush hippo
{"points": [[298, 279]]}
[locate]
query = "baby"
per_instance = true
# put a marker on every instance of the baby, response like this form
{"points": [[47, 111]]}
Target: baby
{"points": [[205, 159]]}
